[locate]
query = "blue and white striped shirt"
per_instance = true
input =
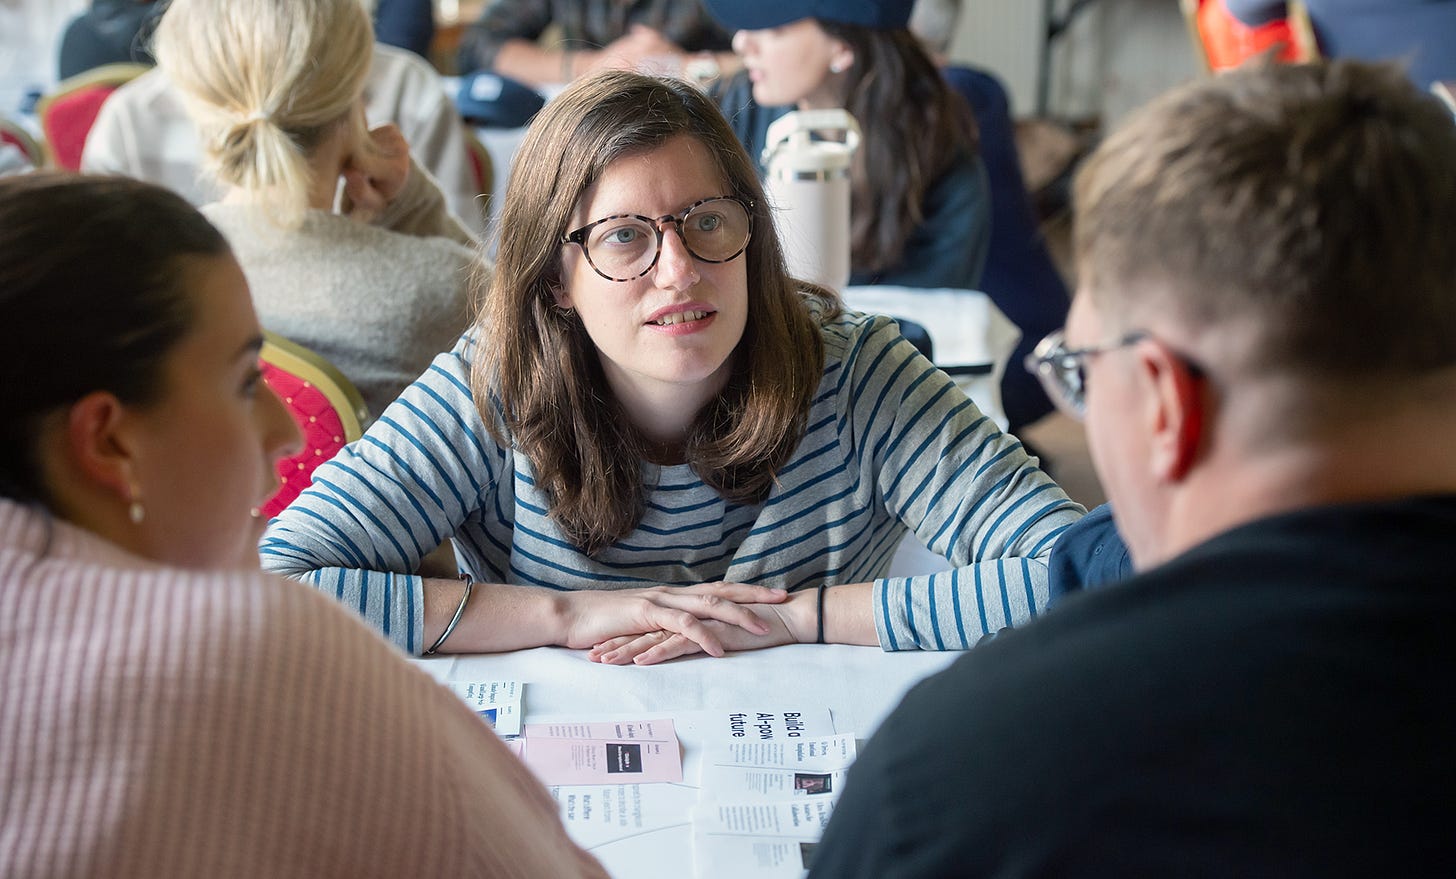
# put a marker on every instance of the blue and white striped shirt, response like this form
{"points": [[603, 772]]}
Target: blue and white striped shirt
{"points": [[891, 444]]}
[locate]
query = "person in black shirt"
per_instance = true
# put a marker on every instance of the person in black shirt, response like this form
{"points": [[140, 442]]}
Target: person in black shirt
{"points": [[1263, 344]]}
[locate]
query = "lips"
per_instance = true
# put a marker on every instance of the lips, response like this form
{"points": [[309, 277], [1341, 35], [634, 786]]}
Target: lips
{"points": [[679, 317], [680, 313]]}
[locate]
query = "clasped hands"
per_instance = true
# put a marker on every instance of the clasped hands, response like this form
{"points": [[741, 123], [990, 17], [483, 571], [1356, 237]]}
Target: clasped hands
{"points": [[647, 626]]}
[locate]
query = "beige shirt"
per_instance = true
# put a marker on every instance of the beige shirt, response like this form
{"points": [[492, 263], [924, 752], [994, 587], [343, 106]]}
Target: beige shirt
{"points": [[159, 722]]}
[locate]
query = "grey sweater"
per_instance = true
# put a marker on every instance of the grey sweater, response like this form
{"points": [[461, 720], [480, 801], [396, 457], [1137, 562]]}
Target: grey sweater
{"points": [[377, 301]]}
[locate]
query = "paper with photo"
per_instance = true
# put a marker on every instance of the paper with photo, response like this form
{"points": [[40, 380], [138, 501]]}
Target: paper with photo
{"points": [[603, 753], [498, 702], [749, 770], [766, 840]]}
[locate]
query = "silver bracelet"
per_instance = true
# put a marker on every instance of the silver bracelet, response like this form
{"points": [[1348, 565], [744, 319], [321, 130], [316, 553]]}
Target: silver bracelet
{"points": [[459, 612]]}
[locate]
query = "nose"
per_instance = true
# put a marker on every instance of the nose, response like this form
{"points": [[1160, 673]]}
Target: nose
{"points": [[740, 42], [277, 428], [677, 269]]}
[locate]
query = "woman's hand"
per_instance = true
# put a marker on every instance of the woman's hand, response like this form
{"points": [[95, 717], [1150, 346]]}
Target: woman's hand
{"points": [[375, 173], [700, 617], [788, 622]]}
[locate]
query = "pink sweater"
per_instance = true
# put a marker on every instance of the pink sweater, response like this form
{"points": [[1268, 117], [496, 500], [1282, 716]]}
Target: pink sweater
{"points": [[157, 722]]}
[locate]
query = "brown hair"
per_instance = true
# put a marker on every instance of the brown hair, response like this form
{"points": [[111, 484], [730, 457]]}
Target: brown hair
{"points": [[1314, 203], [921, 126], [91, 284], [537, 379]]}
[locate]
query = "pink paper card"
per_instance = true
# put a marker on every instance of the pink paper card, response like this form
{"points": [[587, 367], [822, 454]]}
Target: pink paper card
{"points": [[602, 753], [631, 730]]}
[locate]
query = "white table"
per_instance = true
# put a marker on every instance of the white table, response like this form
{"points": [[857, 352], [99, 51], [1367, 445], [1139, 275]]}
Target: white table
{"points": [[860, 686]]}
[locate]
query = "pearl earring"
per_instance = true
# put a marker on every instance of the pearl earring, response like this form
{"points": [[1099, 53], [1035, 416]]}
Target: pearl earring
{"points": [[838, 67], [135, 511]]}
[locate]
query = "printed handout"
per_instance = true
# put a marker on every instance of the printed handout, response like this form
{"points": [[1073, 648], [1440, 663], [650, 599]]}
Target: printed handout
{"points": [[602, 753], [498, 702], [767, 840], [741, 771]]}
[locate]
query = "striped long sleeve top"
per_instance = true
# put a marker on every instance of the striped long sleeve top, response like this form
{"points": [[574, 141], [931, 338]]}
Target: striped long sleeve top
{"points": [[891, 444], [165, 722]]}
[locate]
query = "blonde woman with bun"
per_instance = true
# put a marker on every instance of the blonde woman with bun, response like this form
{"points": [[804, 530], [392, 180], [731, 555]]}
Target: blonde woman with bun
{"points": [[347, 245]]}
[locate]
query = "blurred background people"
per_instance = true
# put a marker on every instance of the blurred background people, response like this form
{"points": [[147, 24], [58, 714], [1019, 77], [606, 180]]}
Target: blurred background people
{"points": [[1419, 33], [110, 32], [920, 212], [144, 131], [378, 286], [922, 207], [666, 36], [113, 31]]}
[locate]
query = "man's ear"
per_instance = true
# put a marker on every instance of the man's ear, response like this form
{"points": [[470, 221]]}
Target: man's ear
{"points": [[1173, 411], [98, 447]]}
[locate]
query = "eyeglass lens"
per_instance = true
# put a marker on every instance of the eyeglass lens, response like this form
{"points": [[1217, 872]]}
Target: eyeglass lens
{"points": [[1061, 375], [622, 248]]}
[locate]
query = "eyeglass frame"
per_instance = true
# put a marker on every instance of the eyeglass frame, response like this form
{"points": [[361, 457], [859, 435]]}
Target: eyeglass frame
{"points": [[578, 236], [1052, 362]]}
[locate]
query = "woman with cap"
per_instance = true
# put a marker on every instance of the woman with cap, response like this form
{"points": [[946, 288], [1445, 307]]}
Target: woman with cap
{"points": [[920, 205], [653, 433]]}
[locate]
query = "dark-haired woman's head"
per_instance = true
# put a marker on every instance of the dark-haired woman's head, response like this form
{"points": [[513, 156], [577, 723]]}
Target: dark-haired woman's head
{"points": [[576, 337], [129, 382]]}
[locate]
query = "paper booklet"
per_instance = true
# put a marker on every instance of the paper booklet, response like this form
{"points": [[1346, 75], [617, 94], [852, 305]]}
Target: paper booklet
{"points": [[498, 702], [602, 753], [767, 840], [743, 771]]}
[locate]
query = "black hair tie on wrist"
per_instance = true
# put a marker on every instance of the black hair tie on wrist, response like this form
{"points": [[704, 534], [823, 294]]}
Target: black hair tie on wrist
{"points": [[819, 638]]}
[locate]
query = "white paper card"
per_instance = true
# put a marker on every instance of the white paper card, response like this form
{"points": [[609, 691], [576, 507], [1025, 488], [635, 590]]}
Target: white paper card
{"points": [[498, 702]]}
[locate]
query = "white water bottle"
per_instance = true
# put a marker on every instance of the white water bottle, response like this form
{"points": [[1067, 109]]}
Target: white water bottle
{"points": [[808, 191]]}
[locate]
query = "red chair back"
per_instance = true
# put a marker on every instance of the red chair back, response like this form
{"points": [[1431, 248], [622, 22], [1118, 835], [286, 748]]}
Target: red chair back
{"points": [[67, 114], [325, 405]]}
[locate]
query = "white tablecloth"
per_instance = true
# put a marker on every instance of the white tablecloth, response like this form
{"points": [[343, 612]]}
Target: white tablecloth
{"points": [[860, 686]]}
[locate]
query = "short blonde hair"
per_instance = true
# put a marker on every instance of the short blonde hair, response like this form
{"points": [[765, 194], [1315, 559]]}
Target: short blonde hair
{"points": [[267, 81]]}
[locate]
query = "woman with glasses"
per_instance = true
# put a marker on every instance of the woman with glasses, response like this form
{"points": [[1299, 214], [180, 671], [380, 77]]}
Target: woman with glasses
{"points": [[656, 442], [167, 709]]}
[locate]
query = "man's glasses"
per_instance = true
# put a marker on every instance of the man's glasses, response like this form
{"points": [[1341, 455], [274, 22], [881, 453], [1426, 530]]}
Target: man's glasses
{"points": [[1062, 369], [624, 247]]}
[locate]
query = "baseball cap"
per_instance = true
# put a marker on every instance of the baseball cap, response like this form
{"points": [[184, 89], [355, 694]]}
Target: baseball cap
{"points": [[497, 101], [752, 15]]}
